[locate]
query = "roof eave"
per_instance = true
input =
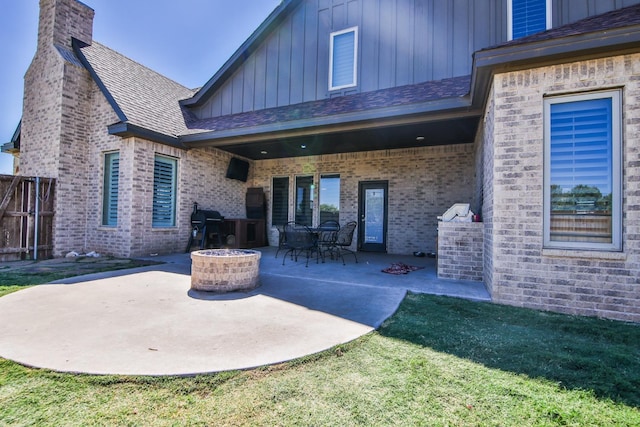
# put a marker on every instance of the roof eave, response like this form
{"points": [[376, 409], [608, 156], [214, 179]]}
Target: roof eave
{"points": [[489, 62], [241, 55], [9, 148], [128, 130], [13, 146], [436, 110]]}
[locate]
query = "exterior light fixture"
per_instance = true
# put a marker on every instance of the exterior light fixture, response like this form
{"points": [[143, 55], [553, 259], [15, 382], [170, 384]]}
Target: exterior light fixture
{"points": [[420, 138], [303, 146]]}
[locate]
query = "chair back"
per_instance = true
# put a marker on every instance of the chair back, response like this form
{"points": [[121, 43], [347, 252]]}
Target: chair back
{"points": [[328, 231], [345, 234], [329, 225], [282, 237]]}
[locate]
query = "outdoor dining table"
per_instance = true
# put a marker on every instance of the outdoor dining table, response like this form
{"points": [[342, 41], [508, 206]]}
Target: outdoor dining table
{"points": [[325, 238], [300, 238]]}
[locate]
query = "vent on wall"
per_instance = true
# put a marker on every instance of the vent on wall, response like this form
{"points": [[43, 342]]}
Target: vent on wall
{"points": [[238, 169]]}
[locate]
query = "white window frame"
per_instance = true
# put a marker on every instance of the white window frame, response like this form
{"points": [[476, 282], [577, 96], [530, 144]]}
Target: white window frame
{"points": [[109, 205], [616, 203], [549, 22], [155, 222], [320, 192], [355, 58]]}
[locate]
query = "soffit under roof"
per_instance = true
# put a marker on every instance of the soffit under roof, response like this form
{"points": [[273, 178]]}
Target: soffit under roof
{"points": [[429, 133]]}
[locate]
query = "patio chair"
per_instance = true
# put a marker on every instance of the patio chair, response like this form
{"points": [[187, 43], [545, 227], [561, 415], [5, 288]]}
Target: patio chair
{"points": [[282, 239], [344, 238], [299, 239], [327, 232]]}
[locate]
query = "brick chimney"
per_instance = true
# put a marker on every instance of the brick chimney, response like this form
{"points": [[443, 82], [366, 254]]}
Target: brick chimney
{"points": [[52, 77], [60, 20], [55, 115]]}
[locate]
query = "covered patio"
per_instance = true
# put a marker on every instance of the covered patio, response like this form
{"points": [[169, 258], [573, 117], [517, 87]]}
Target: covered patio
{"points": [[367, 272]]}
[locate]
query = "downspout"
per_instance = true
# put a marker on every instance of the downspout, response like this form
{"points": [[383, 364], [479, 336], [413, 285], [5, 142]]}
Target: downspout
{"points": [[36, 220]]}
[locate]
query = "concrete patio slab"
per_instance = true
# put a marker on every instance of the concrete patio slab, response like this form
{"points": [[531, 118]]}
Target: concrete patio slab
{"points": [[147, 321]]}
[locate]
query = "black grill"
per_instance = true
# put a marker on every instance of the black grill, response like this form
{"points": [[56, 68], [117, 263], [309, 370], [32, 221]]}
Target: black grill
{"points": [[206, 223], [201, 219]]}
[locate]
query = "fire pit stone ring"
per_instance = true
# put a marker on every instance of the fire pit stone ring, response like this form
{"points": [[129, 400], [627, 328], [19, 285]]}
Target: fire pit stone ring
{"points": [[225, 270]]}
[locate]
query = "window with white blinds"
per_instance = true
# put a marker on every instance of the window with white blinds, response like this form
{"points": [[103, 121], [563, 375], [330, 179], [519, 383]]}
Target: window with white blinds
{"points": [[528, 17], [110, 189], [343, 59], [280, 201], [583, 171], [164, 191]]}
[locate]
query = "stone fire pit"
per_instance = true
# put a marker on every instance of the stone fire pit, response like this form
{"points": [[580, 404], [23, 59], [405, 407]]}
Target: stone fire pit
{"points": [[225, 270]]}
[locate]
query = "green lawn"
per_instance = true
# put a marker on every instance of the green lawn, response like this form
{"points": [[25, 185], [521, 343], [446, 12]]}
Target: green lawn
{"points": [[15, 276], [437, 362]]}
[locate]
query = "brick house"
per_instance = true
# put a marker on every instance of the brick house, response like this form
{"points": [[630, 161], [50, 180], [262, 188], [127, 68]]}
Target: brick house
{"points": [[525, 110]]}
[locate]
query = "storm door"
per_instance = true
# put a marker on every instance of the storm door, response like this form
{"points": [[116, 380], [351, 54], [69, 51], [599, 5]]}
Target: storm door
{"points": [[372, 214]]}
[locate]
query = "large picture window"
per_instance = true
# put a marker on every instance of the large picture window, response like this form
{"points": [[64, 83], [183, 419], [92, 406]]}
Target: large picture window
{"points": [[343, 54], [110, 189], [304, 199], [582, 188], [528, 17], [164, 191]]}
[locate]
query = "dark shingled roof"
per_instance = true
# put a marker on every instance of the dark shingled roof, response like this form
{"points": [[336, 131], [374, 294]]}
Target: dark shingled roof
{"points": [[367, 101], [618, 18], [146, 98]]}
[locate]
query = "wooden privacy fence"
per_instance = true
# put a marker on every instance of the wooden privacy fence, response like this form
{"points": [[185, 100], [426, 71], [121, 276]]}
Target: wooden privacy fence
{"points": [[26, 216]]}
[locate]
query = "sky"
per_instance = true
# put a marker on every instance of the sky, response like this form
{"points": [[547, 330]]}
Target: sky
{"points": [[185, 40]]}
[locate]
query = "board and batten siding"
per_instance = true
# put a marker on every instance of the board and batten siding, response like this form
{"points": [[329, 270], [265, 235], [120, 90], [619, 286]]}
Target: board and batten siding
{"points": [[401, 42], [567, 11]]}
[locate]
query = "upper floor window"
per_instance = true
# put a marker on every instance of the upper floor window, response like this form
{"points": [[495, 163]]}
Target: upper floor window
{"points": [[343, 54], [110, 189], [583, 173], [164, 191], [528, 17]]}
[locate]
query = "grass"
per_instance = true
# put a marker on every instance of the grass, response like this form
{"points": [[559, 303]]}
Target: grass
{"points": [[573, 351], [13, 278], [437, 362]]}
